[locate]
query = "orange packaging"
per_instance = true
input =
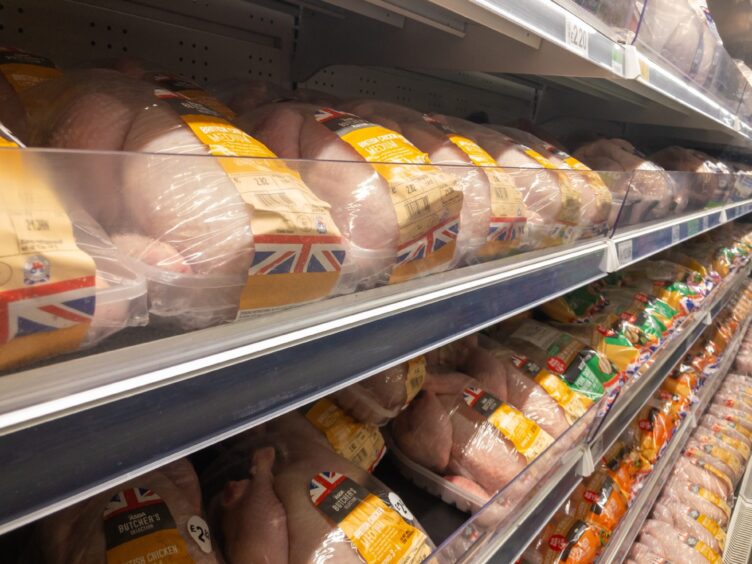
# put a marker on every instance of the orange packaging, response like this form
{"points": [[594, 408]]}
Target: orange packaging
{"points": [[568, 540], [624, 466], [600, 502]]}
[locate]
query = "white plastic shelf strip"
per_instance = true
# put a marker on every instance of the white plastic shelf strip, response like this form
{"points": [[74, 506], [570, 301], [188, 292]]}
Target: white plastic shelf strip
{"points": [[739, 535], [621, 540]]}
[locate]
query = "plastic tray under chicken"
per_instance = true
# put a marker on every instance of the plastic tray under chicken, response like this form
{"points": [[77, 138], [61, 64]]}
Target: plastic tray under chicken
{"points": [[516, 491]]}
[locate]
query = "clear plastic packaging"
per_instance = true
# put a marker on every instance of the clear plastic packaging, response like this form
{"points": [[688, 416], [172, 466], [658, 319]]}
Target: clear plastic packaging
{"points": [[662, 538], [380, 398], [214, 236], [157, 513], [689, 520], [274, 491], [649, 193], [402, 220], [566, 540]]}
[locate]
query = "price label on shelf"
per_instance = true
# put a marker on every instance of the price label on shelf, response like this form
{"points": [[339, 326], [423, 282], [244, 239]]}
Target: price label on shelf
{"points": [[624, 252], [617, 60], [704, 222], [675, 234], [577, 36]]}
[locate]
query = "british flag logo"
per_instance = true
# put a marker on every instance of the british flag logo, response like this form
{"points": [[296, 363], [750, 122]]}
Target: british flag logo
{"points": [[429, 243], [322, 485], [129, 500], [506, 228], [472, 394], [46, 307], [286, 254]]}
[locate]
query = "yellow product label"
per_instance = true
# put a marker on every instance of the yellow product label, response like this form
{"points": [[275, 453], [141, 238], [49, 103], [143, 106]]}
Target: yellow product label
{"points": [[138, 527], [721, 454], [23, 70], [47, 284], [361, 443], [571, 200], [298, 250], [507, 207], [416, 375], [426, 199], [575, 405], [710, 554], [712, 498], [192, 91], [711, 526], [526, 436], [379, 531], [736, 444], [739, 428], [6, 141], [710, 468]]}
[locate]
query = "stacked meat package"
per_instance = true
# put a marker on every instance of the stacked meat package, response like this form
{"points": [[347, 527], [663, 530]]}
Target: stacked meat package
{"points": [[689, 518], [260, 197]]}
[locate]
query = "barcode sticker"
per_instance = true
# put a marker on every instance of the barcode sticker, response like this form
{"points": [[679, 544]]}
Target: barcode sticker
{"points": [[577, 36]]}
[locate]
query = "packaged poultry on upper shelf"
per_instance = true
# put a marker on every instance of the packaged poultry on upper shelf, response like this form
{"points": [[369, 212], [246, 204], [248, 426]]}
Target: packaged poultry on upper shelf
{"points": [[260, 198]]}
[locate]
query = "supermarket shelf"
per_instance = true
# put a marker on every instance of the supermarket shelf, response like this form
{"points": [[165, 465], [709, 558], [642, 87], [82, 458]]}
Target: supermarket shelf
{"points": [[105, 417], [637, 395], [625, 534], [507, 545], [634, 244], [738, 548]]}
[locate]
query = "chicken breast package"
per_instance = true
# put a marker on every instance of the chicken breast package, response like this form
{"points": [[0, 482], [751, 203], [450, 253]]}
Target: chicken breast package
{"points": [[156, 517], [554, 205], [677, 546], [645, 194], [277, 498], [565, 540], [65, 285], [689, 520], [399, 213], [379, 399], [454, 427], [217, 233]]}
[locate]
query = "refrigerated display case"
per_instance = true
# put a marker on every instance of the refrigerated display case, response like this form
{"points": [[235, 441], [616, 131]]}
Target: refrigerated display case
{"points": [[229, 345]]}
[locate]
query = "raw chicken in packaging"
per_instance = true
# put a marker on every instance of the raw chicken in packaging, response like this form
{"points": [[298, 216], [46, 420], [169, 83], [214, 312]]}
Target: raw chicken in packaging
{"points": [[216, 234], [379, 398], [626, 467], [676, 546], [554, 205], [598, 501], [689, 520], [671, 283], [156, 517], [400, 214], [653, 428], [566, 540], [279, 498], [66, 286], [476, 184], [577, 306]]}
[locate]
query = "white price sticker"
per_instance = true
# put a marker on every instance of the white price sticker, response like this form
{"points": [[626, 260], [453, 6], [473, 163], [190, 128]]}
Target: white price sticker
{"points": [[624, 252], [577, 36], [199, 531], [675, 234]]}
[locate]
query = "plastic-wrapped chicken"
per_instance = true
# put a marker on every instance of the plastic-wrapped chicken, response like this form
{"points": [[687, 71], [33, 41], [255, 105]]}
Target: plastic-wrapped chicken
{"points": [[625, 466], [402, 219], [642, 554], [211, 235], [281, 499], [19, 71], [700, 468], [648, 193], [596, 197], [481, 190], [664, 539], [152, 517], [554, 205], [598, 500], [688, 520], [694, 495], [565, 540], [70, 287], [741, 419], [381, 397], [456, 427], [653, 428]]}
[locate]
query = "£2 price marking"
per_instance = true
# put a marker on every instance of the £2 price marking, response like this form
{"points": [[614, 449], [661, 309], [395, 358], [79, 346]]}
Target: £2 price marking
{"points": [[577, 36]]}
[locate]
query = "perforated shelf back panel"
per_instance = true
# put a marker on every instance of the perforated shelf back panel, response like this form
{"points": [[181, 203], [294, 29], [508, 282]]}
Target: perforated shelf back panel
{"points": [[204, 40]]}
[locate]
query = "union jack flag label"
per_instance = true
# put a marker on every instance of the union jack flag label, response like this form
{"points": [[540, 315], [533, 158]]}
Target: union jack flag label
{"points": [[425, 245], [506, 229], [46, 307], [286, 254]]}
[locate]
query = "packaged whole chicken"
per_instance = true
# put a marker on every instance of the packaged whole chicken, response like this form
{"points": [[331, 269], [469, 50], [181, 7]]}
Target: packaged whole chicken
{"points": [[598, 500], [554, 205], [577, 306], [626, 467], [66, 286], [653, 428], [380, 398], [156, 517], [401, 219], [647, 193], [677, 546], [484, 232], [215, 237], [19, 71], [671, 283], [596, 197], [703, 180], [277, 498]]}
